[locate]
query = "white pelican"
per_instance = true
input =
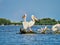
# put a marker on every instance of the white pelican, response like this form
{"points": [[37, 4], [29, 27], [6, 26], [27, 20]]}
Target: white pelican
{"points": [[25, 26], [56, 27], [30, 23]]}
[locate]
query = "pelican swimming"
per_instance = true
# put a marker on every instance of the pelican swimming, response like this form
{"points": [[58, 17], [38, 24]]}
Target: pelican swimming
{"points": [[56, 27], [30, 23]]}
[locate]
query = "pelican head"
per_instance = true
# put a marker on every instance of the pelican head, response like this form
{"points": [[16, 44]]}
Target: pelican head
{"points": [[34, 18], [24, 16]]}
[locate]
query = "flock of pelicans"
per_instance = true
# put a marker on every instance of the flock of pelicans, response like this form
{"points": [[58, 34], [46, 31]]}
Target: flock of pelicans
{"points": [[28, 25]]}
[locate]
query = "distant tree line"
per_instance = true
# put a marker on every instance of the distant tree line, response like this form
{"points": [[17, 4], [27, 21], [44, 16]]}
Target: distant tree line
{"points": [[46, 21], [8, 22], [4, 21], [16, 23], [43, 21]]}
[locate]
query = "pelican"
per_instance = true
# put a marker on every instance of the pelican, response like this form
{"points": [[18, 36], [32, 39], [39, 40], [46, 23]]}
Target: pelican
{"points": [[56, 27], [25, 26], [30, 23]]}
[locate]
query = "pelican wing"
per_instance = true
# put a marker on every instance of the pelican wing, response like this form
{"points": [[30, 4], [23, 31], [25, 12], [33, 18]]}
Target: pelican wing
{"points": [[25, 25], [31, 23]]}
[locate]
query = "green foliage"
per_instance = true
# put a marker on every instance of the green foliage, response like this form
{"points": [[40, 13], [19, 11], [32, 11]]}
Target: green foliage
{"points": [[18, 23], [4, 21], [58, 21], [46, 21]]}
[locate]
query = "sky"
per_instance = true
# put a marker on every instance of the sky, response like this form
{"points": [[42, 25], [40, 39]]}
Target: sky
{"points": [[15, 9]]}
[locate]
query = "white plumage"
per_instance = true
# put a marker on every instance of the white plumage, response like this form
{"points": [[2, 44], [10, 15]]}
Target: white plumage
{"points": [[56, 27], [25, 25], [30, 23]]}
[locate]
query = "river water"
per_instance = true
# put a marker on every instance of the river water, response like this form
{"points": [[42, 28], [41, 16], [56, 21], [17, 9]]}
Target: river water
{"points": [[8, 36]]}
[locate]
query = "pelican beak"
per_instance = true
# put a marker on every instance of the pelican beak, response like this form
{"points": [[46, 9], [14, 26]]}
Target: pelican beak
{"points": [[36, 19]]}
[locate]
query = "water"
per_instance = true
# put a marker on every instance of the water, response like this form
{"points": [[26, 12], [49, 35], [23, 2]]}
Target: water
{"points": [[8, 36]]}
